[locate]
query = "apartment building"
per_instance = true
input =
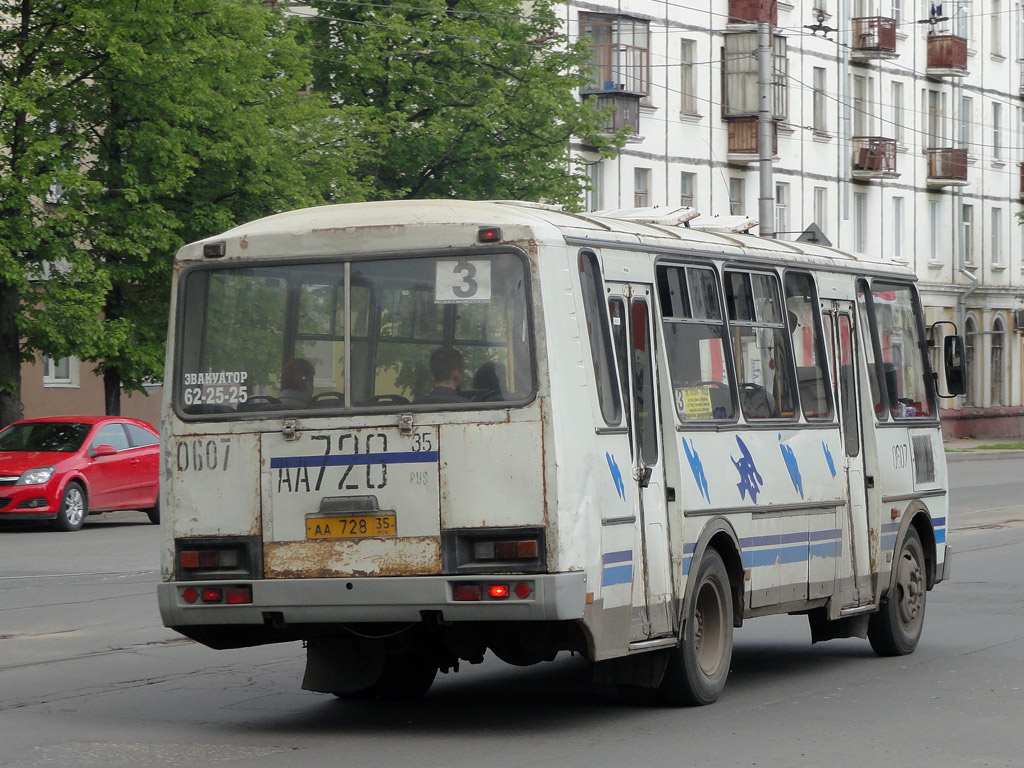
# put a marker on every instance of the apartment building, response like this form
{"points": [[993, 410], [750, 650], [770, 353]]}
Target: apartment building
{"points": [[897, 129]]}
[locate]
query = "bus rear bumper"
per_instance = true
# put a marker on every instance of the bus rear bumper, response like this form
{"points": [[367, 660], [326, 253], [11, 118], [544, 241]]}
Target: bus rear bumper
{"points": [[283, 602]]}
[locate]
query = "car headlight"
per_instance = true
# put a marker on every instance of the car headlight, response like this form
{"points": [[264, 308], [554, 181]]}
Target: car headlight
{"points": [[35, 476]]}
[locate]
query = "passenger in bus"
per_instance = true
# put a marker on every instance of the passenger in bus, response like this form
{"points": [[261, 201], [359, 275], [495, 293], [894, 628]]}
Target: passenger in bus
{"points": [[296, 383], [487, 382], [447, 369]]}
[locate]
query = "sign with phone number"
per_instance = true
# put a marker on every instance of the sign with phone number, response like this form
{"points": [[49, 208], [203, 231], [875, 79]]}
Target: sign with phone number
{"points": [[216, 388]]}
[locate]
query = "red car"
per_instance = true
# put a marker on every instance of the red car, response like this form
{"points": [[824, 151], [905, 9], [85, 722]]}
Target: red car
{"points": [[63, 468]]}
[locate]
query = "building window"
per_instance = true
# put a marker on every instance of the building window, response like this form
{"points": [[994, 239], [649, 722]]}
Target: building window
{"points": [[898, 113], [60, 372], [781, 209], [997, 362], [860, 221], [963, 23], [687, 188], [687, 84], [970, 360], [861, 106], [934, 238], [739, 68], [967, 232], [966, 122], [595, 174], [897, 11], [897, 229], [997, 237], [820, 207], [619, 53], [641, 187], [820, 112], [736, 195], [996, 43], [935, 111], [997, 132]]}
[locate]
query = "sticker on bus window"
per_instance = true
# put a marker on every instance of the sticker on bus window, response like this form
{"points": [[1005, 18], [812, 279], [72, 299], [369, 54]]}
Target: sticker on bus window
{"points": [[462, 282], [694, 402], [215, 388]]}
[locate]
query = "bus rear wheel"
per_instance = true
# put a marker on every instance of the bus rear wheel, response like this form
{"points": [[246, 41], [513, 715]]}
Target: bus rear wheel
{"points": [[699, 665], [896, 628]]}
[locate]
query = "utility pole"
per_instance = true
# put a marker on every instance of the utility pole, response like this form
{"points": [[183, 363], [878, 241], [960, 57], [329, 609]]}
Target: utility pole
{"points": [[766, 201]]}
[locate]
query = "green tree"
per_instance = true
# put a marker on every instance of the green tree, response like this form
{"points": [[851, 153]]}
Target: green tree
{"points": [[187, 117], [477, 98]]}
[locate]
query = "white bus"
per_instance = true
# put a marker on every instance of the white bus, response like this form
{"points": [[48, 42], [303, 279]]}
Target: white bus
{"points": [[407, 433]]}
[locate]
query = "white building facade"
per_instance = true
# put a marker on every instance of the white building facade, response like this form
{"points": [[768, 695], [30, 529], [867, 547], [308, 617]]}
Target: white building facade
{"points": [[898, 129]]}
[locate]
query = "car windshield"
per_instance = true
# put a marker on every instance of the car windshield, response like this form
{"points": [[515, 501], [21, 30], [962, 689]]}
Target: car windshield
{"points": [[423, 332], [47, 436]]}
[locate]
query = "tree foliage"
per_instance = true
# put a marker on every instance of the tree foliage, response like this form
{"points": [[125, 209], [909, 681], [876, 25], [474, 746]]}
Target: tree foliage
{"points": [[476, 98]]}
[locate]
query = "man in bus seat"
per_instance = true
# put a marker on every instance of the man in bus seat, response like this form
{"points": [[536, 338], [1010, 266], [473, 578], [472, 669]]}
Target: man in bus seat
{"points": [[487, 382], [296, 383], [447, 369]]}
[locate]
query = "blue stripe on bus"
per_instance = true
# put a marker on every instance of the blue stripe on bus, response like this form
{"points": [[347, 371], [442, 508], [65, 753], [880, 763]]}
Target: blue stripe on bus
{"points": [[354, 459], [617, 574], [623, 556]]}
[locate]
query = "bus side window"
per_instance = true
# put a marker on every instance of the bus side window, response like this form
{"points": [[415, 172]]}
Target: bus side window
{"points": [[600, 341], [865, 317], [904, 364], [760, 345], [696, 343], [808, 346]]}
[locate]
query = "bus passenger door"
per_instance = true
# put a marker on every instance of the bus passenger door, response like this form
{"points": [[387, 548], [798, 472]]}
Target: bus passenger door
{"points": [[853, 576], [630, 308]]}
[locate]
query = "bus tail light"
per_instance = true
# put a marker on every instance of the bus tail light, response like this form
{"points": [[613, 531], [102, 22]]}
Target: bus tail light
{"points": [[494, 550], [471, 591], [240, 594], [226, 557]]}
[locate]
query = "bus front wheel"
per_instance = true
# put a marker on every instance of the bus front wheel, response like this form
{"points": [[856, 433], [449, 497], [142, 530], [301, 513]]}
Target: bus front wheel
{"points": [[896, 628], [699, 665]]}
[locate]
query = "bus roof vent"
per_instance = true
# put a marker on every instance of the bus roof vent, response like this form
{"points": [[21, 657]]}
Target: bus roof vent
{"points": [[668, 217], [724, 224]]}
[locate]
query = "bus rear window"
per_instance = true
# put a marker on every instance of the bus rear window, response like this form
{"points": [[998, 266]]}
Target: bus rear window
{"points": [[434, 333]]}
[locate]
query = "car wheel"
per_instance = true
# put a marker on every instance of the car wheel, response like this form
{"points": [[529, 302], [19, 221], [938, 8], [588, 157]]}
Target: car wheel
{"points": [[153, 513], [896, 628], [73, 508]]}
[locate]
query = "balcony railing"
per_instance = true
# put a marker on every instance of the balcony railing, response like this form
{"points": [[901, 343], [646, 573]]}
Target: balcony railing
{"points": [[754, 10], [874, 157], [947, 56], [947, 167], [743, 141], [625, 109], [874, 37]]}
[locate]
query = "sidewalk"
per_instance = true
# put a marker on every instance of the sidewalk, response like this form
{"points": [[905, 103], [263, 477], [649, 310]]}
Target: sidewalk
{"points": [[970, 449]]}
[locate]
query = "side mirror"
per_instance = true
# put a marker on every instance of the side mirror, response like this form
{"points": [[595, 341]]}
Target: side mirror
{"points": [[955, 365], [103, 450]]}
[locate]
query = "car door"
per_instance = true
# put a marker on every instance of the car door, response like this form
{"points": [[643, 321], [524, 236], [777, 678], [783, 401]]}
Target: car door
{"points": [[144, 463], [109, 477]]}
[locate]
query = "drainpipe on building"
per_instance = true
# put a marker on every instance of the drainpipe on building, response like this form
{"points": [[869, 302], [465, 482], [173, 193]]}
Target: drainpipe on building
{"points": [[958, 216], [766, 201]]}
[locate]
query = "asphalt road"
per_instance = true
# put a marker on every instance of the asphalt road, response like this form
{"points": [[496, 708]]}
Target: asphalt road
{"points": [[89, 677]]}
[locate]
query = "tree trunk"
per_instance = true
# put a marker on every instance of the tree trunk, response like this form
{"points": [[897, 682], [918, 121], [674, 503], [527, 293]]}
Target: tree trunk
{"points": [[11, 408], [112, 391]]}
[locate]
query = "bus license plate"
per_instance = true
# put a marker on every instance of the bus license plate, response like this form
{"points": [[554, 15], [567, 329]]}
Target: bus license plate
{"points": [[351, 526]]}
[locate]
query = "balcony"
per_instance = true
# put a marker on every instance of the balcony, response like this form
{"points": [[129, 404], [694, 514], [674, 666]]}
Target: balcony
{"points": [[874, 37], [753, 10], [625, 109], [947, 56], [947, 167], [874, 157], [743, 141]]}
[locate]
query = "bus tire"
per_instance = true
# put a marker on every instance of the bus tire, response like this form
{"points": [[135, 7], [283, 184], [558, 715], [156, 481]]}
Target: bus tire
{"points": [[699, 665], [895, 629], [405, 677]]}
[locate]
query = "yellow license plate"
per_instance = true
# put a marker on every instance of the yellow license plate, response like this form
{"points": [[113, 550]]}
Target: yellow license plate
{"points": [[351, 526]]}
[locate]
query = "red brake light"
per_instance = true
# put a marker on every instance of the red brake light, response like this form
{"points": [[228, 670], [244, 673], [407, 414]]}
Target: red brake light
{"points": [[498, 591], [465, 592], [523, 590], [212, 594], [488, 235], [238, 595], [190, 595]]}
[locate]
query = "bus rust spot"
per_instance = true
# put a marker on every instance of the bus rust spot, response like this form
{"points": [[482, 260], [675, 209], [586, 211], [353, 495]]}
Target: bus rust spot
{"points": [[408, 556]]}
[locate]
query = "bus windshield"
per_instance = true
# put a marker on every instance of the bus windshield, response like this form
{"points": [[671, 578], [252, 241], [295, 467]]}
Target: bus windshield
{"points": [[444, 332]]}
